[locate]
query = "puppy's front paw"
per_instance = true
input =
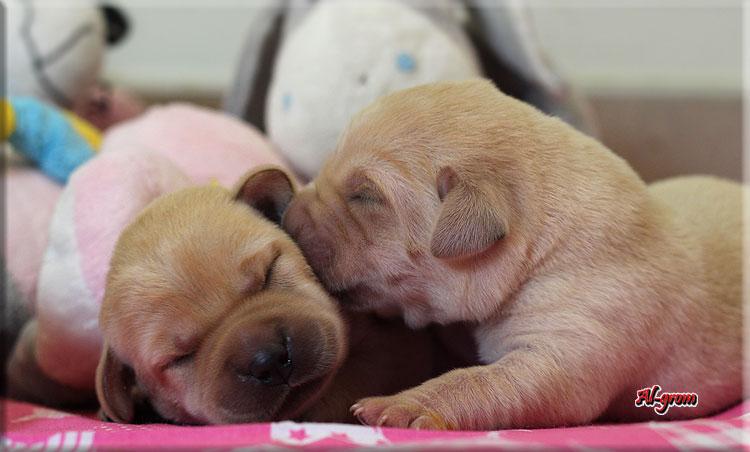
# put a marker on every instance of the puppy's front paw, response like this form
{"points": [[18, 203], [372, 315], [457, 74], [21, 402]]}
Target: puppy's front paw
{"points": [[398, 411]]}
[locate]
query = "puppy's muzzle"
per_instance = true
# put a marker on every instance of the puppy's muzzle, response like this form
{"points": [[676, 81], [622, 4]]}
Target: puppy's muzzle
{"points": [[266, 360], [271, 365], [300, 224]]}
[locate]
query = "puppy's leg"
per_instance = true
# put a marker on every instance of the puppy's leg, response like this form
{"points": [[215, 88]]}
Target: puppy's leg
{"points": [[529, 387], [570, 346], [553, 362]]}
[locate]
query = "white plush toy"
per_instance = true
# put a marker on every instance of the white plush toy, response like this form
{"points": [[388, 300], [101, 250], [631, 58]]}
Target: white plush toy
{"points": [[313, 64], [54, 53], [55, 48]]}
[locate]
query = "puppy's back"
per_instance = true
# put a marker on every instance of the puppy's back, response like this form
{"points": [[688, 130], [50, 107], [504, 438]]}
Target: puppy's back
{"points": [[711, 210]]}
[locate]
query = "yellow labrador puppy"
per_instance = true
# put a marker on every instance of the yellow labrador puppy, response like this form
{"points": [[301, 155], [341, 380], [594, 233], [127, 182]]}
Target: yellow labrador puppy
{"points": [[452, 201], [212, 316]]}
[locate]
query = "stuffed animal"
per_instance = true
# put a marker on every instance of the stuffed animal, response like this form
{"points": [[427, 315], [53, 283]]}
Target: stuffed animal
{"points": [[55, 54], [166, 149], [105, 106], [15, 315], [56, 141], [50, 144], [309, 65], [30, 198]]}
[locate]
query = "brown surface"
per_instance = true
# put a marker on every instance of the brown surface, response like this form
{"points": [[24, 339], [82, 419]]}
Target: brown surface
{"points": [[667, 136]]}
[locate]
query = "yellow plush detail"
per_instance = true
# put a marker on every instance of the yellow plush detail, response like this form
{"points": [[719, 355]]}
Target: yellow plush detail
{"points": [[88, 132], [8, 120]]}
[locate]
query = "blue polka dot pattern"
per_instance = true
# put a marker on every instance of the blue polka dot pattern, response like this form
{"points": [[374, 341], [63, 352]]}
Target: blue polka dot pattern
{"points": [[405, 62], [286, 101]]}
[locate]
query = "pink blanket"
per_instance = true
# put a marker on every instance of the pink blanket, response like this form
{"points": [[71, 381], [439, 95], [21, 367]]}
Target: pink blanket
{"points": [[33, 427]]}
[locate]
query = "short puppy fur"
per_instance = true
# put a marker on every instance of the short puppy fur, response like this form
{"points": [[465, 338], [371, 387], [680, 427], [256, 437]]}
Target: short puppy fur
{"points": [[212, 315], [453, 201]]}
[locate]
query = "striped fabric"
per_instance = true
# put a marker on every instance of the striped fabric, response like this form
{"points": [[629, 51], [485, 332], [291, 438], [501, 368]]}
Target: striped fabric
{"points": [[30, 427]]}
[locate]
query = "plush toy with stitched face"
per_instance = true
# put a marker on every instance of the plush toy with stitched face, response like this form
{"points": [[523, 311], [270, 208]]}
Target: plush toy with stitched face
{"points": [[310, 65], [55, 54], [54, 97]]}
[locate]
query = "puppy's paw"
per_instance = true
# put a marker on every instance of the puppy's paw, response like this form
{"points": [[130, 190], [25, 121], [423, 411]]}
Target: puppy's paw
{"points": [[398, 411]]}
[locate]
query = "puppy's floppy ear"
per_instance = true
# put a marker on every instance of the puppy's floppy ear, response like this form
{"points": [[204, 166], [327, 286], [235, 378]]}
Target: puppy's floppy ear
{"points": [[267, 189], [469, 223], [115, 383]]}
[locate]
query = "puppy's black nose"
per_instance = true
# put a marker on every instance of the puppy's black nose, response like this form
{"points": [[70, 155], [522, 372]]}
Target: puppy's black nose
{"points": [[271, 364]]}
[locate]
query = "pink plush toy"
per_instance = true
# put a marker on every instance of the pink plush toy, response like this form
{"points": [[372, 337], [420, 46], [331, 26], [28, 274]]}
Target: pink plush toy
{"points": [[31, 195], [166, 149], [30, 199]]}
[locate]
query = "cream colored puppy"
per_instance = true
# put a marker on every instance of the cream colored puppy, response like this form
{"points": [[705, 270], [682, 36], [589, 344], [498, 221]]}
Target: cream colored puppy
{"points": [[212, 316], [452, 201]]}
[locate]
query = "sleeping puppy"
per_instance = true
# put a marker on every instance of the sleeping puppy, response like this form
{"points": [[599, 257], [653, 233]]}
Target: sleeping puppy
{"points": [[212, 315], [453, 202]]}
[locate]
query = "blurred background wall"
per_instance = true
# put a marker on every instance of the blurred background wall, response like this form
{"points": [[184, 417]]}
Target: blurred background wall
{"points": [[663, 77]]}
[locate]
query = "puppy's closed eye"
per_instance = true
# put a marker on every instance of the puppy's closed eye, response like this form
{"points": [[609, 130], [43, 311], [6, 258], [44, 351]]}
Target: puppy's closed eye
{"points": [[365, 195], [363, 191], [183, 353], [174, 360], [258, 269], [181, 360], [270, 272]]}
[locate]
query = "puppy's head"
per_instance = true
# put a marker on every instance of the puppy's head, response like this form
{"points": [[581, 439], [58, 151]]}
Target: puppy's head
{"points": [[212, 315], [420, 181]]}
